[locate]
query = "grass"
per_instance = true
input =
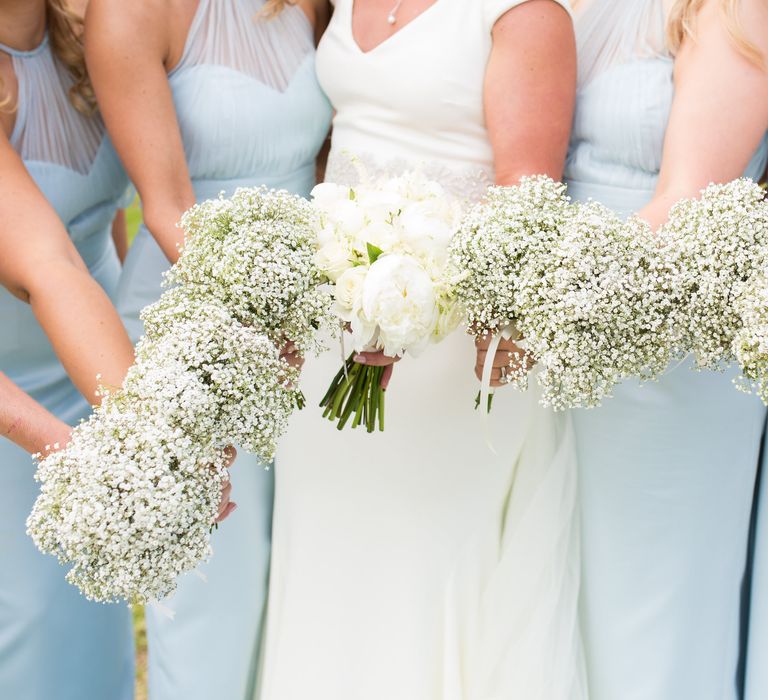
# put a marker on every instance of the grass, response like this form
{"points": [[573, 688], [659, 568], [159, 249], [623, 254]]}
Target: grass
{"points": [[133, 221]]}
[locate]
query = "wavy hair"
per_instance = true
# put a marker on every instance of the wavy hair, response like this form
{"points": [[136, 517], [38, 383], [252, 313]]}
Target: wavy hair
{"points": [[682, 24], [65, 32]]}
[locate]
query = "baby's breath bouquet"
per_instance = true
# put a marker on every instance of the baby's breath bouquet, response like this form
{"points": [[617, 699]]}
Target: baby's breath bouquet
{"points": [[584, 290], [129, 503], [714, 246], [384, 248]]}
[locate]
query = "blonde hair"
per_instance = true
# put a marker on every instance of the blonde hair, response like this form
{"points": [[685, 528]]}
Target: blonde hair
{"points": [[65, 32], [682, 23]]}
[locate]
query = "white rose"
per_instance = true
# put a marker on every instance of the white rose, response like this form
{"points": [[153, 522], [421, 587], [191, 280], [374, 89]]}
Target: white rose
{"points": [[349, 288], [426, 232], [327, 194], [348, 216], [380, 204], [399, 297], [380, 234], [333, 259]]}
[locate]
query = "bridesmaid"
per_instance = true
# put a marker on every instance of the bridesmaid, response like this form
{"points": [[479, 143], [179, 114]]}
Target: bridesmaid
{"points": [[61, 185], [201, 97], [672, 96]]}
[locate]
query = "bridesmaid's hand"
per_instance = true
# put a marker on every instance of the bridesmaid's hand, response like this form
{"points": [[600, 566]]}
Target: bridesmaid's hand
{"points": [[378, 359], [226, 507], [291, 355], [507, 360]]}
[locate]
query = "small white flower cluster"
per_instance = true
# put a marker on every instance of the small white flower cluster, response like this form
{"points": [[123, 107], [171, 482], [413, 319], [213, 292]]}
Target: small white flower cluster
{"points": [[130, 502], [714, 246], [584, 289], [384, 246]]}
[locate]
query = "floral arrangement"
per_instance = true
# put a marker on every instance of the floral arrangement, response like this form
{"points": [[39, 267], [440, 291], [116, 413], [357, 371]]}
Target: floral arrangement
{"points": [[384, 248], [584, 290], [129, 503]]}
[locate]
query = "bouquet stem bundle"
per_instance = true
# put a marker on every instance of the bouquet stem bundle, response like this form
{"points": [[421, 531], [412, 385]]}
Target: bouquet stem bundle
{"points": [[356, 393]]}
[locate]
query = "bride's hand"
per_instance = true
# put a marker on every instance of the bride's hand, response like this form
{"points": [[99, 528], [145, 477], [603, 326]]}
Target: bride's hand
{"points": [[225, 505], [378, 359], [506, 362]]}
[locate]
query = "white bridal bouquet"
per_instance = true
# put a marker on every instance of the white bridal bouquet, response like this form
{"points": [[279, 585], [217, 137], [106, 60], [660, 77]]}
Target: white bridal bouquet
{"points": [[584, 290], [384, 247], [129, 503]]}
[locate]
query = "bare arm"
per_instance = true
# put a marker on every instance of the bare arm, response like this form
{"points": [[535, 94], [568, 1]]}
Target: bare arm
{"points": [[41, 266], [720, 110], [530, 89], [128, 49], [26, 422]]}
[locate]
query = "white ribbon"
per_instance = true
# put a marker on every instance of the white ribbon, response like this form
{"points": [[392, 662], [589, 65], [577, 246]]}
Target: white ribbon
{"points": [[163, 610], [506, 333]]}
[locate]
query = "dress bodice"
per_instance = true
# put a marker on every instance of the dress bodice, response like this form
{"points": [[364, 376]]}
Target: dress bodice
{"points": [[73, 163], [247, 99], [622, 108], [414, 100]]}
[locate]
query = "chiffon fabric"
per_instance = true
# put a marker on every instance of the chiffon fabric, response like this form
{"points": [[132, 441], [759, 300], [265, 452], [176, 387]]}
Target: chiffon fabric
{"points": [[666, 470], [415, 563], [53, 642], [251, 113]]}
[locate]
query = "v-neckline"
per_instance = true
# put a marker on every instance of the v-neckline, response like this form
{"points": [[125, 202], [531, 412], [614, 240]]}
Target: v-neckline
{"points": [[389, 38]]}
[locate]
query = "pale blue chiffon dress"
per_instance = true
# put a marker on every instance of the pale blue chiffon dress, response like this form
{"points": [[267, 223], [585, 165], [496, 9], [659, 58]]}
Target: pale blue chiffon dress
{"points": [[667, 469], [251, 113], [54, 644]]}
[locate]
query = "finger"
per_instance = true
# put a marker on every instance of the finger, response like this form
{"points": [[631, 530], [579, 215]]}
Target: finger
{"points": [[483, 341], [225, 493], [375, 359], [230, 454], [386, 376], [231, 507], [496, 374], [501, 359]]}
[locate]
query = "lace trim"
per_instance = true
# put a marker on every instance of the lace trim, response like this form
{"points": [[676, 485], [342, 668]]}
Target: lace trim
{"points": [[467, 184]]}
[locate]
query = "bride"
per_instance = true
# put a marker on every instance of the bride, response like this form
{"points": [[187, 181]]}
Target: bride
{"points": [[415, 564]]}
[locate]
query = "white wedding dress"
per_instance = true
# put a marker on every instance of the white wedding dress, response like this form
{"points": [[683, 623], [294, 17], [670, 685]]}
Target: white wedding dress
{"points": [[415, 564]]}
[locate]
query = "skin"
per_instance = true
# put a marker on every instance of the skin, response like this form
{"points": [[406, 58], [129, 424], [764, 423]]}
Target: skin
{"points": [[529, 95], [720, 109], [130, 48], [41, 266]]}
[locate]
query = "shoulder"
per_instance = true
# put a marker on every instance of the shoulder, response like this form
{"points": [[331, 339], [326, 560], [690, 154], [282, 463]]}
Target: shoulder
{"points": [[110, 23], [495, 11]]}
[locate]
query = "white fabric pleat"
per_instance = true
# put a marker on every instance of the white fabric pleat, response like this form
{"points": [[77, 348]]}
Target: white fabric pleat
{"points": [[610, 32], [48, 128], [236, 34]]}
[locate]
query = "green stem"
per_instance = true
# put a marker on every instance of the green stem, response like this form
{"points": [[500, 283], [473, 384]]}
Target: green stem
{"points": [[354, 398]]}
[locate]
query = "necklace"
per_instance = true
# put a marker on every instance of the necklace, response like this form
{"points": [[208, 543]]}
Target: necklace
{"points": [[392, 16]]}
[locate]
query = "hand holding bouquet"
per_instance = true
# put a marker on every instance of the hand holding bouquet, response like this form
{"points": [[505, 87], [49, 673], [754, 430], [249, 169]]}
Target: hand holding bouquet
{"points": [[384, 248]]}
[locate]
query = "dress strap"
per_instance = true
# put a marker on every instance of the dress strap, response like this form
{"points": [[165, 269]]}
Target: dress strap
{"points": [[17, 53]]}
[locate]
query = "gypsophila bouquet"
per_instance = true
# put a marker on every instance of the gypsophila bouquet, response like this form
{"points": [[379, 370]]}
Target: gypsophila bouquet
{"points": [[750, 343], [254, 252], [714, 245], [384, 247], [129, 503], [582, 288]]}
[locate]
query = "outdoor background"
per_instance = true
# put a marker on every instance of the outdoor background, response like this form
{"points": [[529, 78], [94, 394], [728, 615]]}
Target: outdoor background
{"points": [[133, 220]]}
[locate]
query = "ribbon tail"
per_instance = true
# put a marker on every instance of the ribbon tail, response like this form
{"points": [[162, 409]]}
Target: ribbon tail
{"points": [[163, 610]]}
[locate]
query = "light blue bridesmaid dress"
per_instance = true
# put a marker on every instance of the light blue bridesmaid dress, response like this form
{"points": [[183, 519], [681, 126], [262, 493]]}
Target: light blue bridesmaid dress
{"points": [[54, 644], [251, 112], [667, 469]]}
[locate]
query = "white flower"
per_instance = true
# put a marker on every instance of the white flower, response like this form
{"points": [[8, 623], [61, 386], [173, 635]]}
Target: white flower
{"points": [[326, 195], [334, 259], [348, 291], [399, 297], [380, 234]]}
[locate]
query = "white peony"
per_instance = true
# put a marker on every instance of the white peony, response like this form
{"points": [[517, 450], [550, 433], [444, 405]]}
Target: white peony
{"points": [[399, 297], [326, 195], [427, 231]]}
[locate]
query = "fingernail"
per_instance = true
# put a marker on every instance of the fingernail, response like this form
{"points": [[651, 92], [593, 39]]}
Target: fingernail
{"points": [[234, 508], [361, 359]]}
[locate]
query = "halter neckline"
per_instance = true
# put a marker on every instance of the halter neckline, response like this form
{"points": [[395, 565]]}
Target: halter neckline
{"points": [[17, 53]]}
